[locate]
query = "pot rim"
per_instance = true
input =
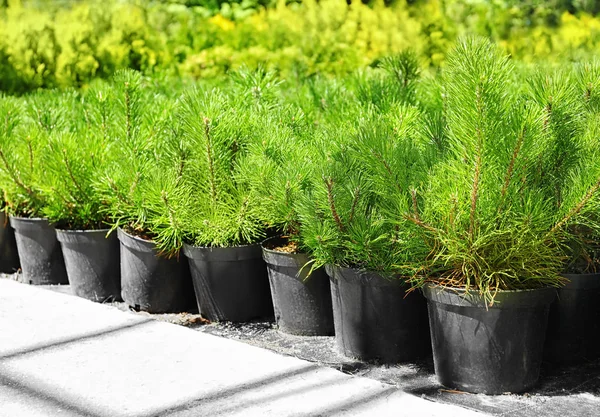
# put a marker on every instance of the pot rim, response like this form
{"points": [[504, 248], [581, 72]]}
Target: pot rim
{"points": [[82, 230], [283, 259], [460, 297], [20, 218], [121, 230], [224, 254], [364, 276], [221, 247], [581, 281]]}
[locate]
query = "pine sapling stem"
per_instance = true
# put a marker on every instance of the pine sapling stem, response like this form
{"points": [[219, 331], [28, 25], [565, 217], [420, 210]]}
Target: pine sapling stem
{"points": [[334, 213], [165, 199], [30, 148], [127, 112], [70, 171], [548, 110], [415, 205], [354, 203], [135, 182], [16, 178], [477, 174], [120, 197], [588, 93], [387, 167], [209, 157], [511, 165], [243, 210], [575, 210], [420, 223], [475, 192]]}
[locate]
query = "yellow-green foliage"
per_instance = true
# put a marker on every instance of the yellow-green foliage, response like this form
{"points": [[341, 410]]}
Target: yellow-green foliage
{"points": [[58, 47], [329, 37], [575, 38], [71, 46]]}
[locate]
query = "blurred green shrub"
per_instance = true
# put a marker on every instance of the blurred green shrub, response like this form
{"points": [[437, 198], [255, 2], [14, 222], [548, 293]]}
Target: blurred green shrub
{"points": [[48, 44]]}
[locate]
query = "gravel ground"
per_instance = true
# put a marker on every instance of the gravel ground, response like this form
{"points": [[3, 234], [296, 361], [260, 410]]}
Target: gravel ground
{"points": [[568, 391]]}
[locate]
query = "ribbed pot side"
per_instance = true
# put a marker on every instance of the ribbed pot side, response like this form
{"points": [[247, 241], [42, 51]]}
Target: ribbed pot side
{"points": [[376, 318], [302, 302], [488, 349], [40, 254], [151, 282], [93, 263]]}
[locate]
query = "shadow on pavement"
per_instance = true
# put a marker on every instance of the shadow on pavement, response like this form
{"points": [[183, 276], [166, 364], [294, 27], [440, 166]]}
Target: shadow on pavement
{"points": [[66, 341], [232, 390], [271, 398], [39, 394], [356, 402]]}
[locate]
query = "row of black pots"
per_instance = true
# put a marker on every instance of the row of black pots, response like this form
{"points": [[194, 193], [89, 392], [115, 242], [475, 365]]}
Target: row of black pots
{"points": [[231, 284], [476, 347], [228, 284]]}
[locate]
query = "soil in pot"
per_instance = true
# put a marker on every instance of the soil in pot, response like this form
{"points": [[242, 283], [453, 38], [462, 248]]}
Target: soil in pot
{"points": [[39, 251], [231, 283], [92, 262], [573, 334], [488, 349], [302, 303], [376, 319], [9, 259], [151, 282]]}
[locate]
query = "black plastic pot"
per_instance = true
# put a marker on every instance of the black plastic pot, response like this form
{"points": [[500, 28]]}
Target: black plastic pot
{"points": [[489, 350], [302, 304], [231, 283], [150, 282], [375, 319], [9, 258], [573, 334], [92, 262], [39, 251]]}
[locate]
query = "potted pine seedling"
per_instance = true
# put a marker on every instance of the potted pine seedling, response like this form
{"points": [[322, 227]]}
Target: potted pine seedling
{"points": [[22, 141], [137, 187], [218, 213], [494, 237], [73, 160], [352, 221], [566, 101], [279, 168], [9, 258]]}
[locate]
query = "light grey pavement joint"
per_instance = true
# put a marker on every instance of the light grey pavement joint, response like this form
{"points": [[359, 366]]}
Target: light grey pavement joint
{"points": [[64, 356]]}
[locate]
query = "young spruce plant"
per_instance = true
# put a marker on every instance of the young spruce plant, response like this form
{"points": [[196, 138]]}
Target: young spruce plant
{"points": [[568, 166], [488, 223], [354, 215], [73, 160], [214, 205], [26, 126], [147, 164]]}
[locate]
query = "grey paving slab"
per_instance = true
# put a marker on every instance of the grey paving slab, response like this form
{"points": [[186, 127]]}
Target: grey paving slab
{"points": [[61, 355], [16, 401], [30, 320]]}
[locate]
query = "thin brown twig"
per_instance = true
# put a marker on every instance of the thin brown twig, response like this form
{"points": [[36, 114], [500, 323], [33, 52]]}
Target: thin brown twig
{"points": [[575, 210], [334, 213], [354, 203], [209, 157], [387, 167], [70, 171], [16, 178], [511, 165]]}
